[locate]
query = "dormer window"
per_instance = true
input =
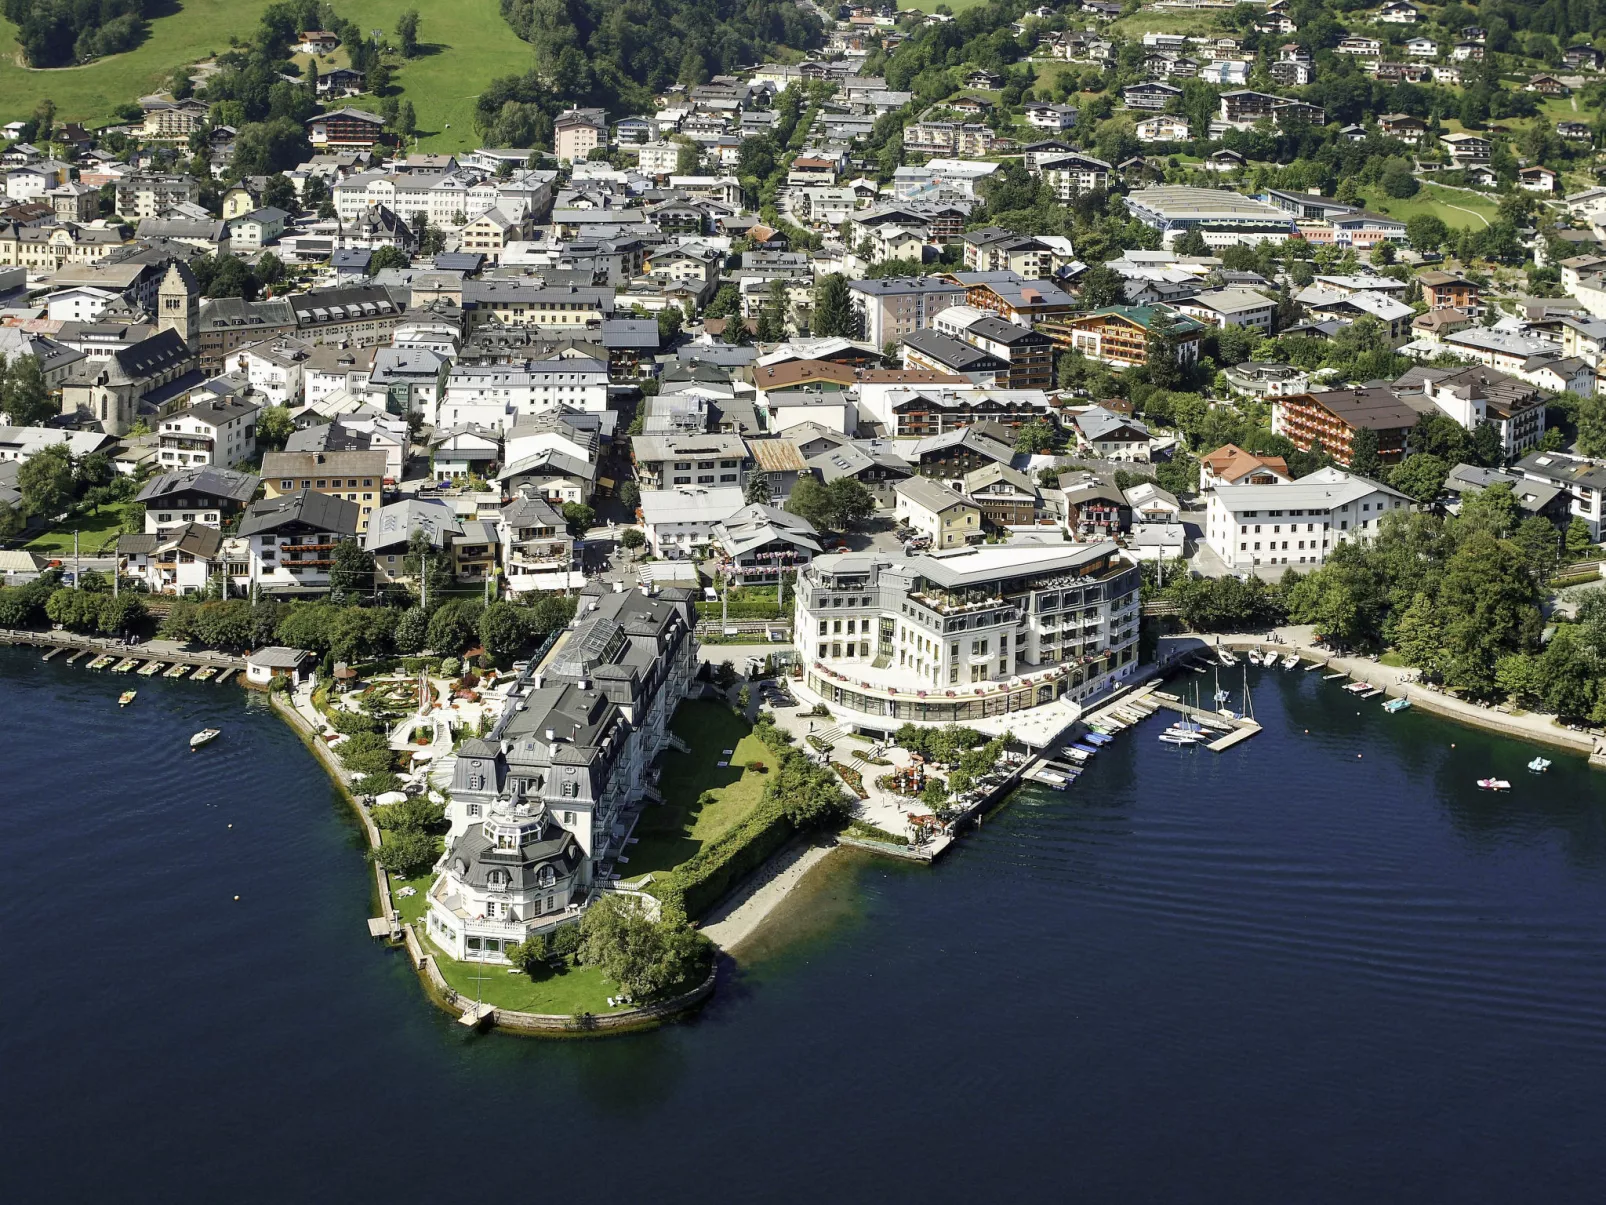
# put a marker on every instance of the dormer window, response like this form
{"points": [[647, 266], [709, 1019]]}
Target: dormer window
{"points": [[548, 876]]}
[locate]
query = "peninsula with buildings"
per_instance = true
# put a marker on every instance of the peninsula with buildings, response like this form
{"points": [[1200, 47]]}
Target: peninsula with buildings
{"points": [[676, 469]]}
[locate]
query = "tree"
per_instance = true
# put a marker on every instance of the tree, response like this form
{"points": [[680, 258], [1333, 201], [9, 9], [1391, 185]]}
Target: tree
{"points": [[1102, 286], [670, 320], [1192, 242], [274, 426], [1364, 453], [407, 33], [387, 257], [811, 502], [45, 481], [1421, 476], [452, 628], [644, 957], [406, 119], [412, 631], [408, 854], [851, 502], [580, 517], [631, 539], [1577, 538], [1039, 435], [351, 573], [833, 310], [1487, 607], [502, 631], [629, 492], [24, 397], [379, 79], [758, 488]]}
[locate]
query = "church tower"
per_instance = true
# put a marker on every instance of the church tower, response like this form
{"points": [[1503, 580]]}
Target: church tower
{"points": [[178, 303]]}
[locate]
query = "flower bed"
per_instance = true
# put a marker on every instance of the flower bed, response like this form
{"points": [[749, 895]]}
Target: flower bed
{"points": [[852, 777]]}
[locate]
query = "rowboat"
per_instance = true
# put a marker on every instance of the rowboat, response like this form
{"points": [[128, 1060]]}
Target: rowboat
{"points": [[1494, 784], [205, 737], [127, 697], [1394, 705]]}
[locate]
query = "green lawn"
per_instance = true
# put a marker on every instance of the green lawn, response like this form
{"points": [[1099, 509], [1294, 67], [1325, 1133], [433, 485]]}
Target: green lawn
{"points": [[467, 45], [1149, 21], [95, 532], [674, 830], [570, 990], [197, 30], [410, 908], [1449, 205]]}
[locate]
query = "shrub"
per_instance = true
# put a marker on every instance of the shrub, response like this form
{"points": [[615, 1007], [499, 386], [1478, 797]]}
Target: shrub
{"points": [[408, 854], [367, 753]]}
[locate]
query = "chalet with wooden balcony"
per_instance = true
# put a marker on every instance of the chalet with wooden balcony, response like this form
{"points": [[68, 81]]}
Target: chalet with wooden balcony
{"points": [[291, 541]]}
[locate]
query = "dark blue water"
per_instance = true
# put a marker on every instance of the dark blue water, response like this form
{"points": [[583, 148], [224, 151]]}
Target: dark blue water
{"points": [[1286, 973]]}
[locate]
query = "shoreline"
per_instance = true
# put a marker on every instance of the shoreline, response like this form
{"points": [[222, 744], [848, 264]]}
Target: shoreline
{"points": [[743, 915], [1533, 727]]}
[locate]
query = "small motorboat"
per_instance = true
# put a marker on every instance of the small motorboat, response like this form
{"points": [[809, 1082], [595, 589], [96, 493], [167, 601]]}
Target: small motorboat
{"points": [[1394, 705], [1226, 657], [127, 697], [1539, 765], [1493, 784], [1356, 688], [1254, 656], [205, 737], [1291, 661]]}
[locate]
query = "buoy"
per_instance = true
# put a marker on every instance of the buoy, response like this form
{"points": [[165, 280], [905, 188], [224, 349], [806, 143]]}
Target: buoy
{"points": [[231, 826], [1357, 758], [236, 897]]}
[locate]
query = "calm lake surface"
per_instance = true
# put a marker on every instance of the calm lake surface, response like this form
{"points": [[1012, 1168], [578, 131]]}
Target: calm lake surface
{"points": [[1285, 973]]}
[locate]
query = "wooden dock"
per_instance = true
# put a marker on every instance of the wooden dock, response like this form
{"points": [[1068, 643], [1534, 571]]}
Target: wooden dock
{"points": [[1232, 730], [225, 675], [1232, 738]]}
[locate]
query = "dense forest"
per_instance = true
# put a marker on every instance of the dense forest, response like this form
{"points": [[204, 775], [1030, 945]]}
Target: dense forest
{"points": [[619, 56], [58, 33]]}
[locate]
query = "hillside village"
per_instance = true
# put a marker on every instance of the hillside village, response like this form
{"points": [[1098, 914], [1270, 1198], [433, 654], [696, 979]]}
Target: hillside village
{"points": [[982, 321]]}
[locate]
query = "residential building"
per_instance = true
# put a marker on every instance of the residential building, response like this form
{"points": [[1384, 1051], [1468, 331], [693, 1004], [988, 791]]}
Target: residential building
{"points": [[1297, 523], [945, 517], [1111, 436], [204, 494], [1260, 379], [1332, 418], [1006, 497], [1584, 481], [290, 541], [537, 551], [760, 544], [345, 127], [391, 530], [1122, 335], [679, 522], [1231, 465], [578, 132], [699, 459], [355, 477], [1232, 307], [177, 560], [220, 432], [897, 306]]}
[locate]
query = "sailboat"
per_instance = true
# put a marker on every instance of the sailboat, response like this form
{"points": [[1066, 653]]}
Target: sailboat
{"points": [[1221, 695]]}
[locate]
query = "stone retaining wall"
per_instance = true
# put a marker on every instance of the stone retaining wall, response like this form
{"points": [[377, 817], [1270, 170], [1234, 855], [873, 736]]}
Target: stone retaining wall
{"points": [[548, 1024]]}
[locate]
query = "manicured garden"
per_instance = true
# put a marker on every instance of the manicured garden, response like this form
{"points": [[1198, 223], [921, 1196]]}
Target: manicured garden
{"points": [[701, 798], [564, 990]]}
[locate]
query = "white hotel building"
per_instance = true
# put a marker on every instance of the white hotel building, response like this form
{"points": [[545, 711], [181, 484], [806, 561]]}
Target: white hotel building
{"points": [[539, 807], [960, 636], [1297, 522]]}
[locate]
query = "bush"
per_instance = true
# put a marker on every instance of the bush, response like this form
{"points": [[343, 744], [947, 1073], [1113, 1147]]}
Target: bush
{"points": [[647, 958], [757, 767], [367, 753], [408, 854], [352, 723], [417, 814]]}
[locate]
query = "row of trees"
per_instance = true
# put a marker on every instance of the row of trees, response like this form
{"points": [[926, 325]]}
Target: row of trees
{"points": [[1454, 596]]}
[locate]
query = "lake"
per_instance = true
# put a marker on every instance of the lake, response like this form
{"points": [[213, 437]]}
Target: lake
{"points": [[1321, 966]]}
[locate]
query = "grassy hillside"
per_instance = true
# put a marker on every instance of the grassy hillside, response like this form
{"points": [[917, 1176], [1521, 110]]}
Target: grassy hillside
{"points": [[467, 45], [196, 30], [1459, 209]]}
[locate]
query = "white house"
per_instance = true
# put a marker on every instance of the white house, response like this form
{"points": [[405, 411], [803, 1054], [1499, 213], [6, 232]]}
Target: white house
{"points": [[498, 395], [1297, 523], [679, 521], [180, 560], [222, 431]]}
